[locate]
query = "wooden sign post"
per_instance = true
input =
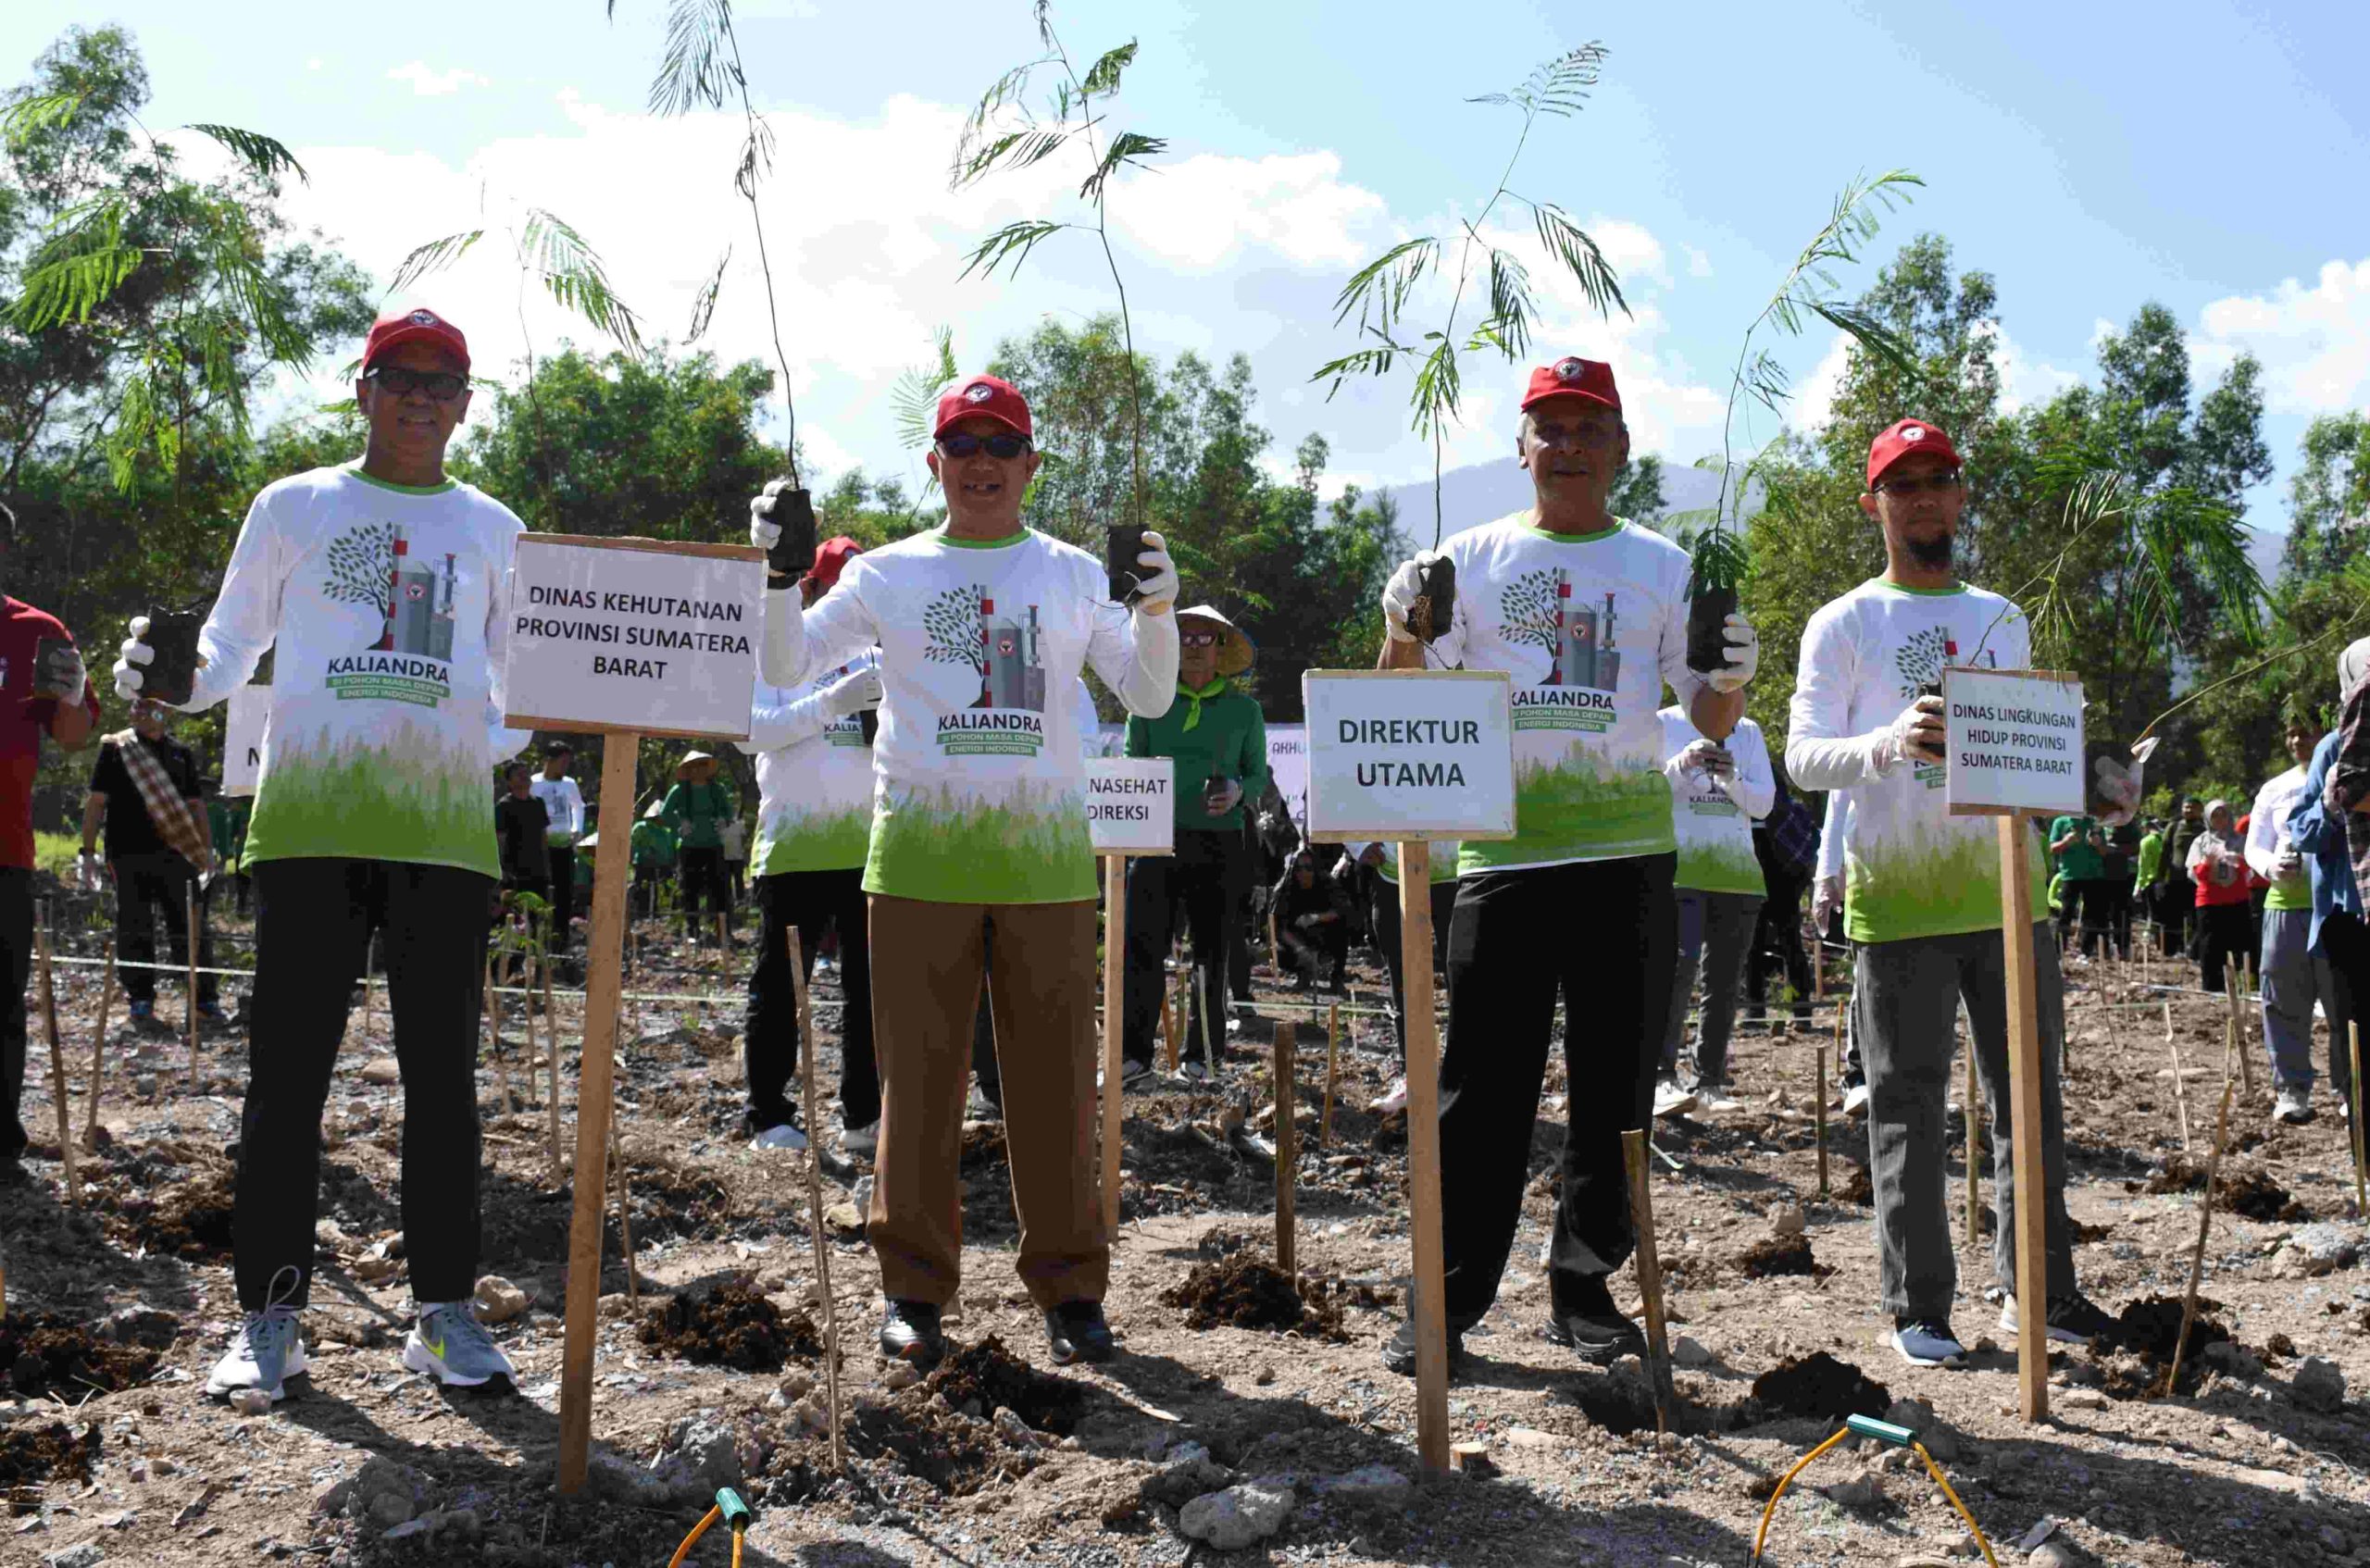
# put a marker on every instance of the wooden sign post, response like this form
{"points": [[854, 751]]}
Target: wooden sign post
{"points": [[1131, 809], [1408, 756], [2014, 750], [621, 638]]}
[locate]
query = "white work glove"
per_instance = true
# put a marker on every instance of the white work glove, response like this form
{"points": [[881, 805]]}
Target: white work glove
{"points": [[1825, 899], [764, 532], [1709, 758], [1156, 584], [1306, 922], [1916, 735], [853, 693], [134, 654], [1225, 800], [89, 875], [1744, 656], [1399, 594], [60, 675]]}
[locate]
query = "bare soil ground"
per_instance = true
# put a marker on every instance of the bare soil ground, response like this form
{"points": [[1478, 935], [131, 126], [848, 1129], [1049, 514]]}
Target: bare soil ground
{"points": [[116, 1310]]}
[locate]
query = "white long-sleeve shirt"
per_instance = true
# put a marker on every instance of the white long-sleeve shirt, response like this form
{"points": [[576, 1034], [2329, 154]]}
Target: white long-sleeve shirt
{"points": [[1713, 817], [564, 800], [980, 776], [388, 609], [814, 777], [2267, 835]]}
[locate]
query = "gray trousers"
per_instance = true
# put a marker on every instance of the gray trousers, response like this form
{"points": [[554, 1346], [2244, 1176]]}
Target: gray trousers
{"points": [[1906, 1008], [2293, 979], [1715, 935]]}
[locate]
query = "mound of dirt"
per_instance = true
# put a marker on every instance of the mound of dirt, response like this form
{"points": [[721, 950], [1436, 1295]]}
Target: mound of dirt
{"points": [[47, 1354], [1821, 1388], [1623, 1403], [1243, 1291], [731, 1323], [2134, 1355], [191, 1220], [983, 1378], [955, 1454], [2237, 1189], [32, 1454], [1857, 1189], [1780, 1254]]}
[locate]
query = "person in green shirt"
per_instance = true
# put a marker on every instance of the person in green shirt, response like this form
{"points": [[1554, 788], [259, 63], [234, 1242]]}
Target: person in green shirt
{"points": [[2078, 848], [655, 851], [698, 808], [1217, 737]]}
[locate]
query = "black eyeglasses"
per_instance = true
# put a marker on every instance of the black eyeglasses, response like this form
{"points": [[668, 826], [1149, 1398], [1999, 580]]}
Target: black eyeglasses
{"points": [[441, 386], [963, 443], [1932, 484]]}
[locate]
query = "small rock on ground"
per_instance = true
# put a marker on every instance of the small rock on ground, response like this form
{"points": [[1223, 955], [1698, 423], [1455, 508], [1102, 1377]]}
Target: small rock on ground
{"points": [[1234, 1518]]}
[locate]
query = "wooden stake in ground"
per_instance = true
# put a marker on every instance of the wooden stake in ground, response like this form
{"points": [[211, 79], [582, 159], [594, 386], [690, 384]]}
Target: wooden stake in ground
{"points": [[815, 1204], [551, 1045], [494, 1036], [2024, 1118], [57, 1073], [1115, 969], [1287, 1151], [2180, 1093], [1430, 1307], [625, 1213], [594, 1096], [2243, 975], [2204, 1223], [2353, 1110], [1650, 1275], [189, 954], [1818, 1103], [1332, 1073], [1172, 1022], [724, 946], [1974, 1156], [99, 1044]]}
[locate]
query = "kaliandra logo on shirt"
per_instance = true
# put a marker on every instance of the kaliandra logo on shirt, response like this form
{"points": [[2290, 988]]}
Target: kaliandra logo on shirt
{"points": [[372, 566], [1919, 662], [1007, 716], [1583, 660]]}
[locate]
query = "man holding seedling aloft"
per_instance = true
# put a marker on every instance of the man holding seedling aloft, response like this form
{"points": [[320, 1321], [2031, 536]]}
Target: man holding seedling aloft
{"points": [[979, 828], [1589, 615], [1922, 893], [383, 586]]}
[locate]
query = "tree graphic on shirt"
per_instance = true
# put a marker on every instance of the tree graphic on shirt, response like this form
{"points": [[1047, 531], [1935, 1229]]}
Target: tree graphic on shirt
{"points": [[1920, 659], [951, 619], [1527, 609], [362, 567]]}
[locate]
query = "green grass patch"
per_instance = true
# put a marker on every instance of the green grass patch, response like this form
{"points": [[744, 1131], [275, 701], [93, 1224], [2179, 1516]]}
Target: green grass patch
{"points": [[816, 841], [1032, 847], [374, 802], [1949, 884], [1575, 809], [55, 853]]}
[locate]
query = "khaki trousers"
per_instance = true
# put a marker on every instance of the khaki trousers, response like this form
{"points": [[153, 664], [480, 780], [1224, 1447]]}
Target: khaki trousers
{"points": [[927, 961]]}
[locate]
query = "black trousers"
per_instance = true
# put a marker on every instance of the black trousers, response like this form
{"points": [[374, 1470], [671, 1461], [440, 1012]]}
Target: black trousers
{"points": [[2345, 942], [563, 894], [147, 886], [2224, 935], [1207, 872], [2176, 913], [704, 876], [1382, 919], [312, 920], [2088, 905], [2118, 912], [1605, 935], [16, 972], [813, 901], [1777, 941]]}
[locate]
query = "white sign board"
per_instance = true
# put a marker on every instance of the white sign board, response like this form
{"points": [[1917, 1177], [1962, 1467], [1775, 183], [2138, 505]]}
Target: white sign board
{"points": [[1131, 804], [2015, 742], [634, 634], [1406, 754], [1287, 765], [242, 739]]}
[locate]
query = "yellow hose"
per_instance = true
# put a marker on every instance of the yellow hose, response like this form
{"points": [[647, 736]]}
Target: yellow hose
{"points": [[1944, 1481], [698, 1530], [1761, 1537]]}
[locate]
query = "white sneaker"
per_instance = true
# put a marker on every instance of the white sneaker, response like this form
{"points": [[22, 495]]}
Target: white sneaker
{"points": [[779, 1135], [2295, 1106], [449, 1344], [1394, 1099], [1928, 1342], [862, 1141], [1855, 1100], [1671, 1101], [268, 1349], [1714, 1099]]}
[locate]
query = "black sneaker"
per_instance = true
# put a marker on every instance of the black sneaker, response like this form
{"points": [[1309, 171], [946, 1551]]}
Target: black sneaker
{"points": [[2072, 1320], [1399, 1351], [1076, 1331], [909, 1332], [1593, 1327]]}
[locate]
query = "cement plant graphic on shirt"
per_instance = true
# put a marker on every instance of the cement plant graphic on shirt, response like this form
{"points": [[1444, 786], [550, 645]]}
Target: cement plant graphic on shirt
{"points": [[1005, 650], [372, 565], [1538, 608]]}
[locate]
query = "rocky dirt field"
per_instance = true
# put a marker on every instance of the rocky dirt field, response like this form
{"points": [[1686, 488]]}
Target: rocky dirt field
{"points": [[1242, 1418]]}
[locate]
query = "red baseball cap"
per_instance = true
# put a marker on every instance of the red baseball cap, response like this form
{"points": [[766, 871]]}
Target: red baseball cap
{"points": [[831, 559], [1573, 376], [400, 327], [990, 397], [1902, 437]]}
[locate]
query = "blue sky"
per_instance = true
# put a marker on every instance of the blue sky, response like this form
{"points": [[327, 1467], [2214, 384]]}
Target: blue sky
{"points": [[2090, 156]]}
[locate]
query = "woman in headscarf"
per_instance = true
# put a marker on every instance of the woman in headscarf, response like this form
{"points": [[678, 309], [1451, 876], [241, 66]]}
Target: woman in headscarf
{"points": [[2217, 864]]}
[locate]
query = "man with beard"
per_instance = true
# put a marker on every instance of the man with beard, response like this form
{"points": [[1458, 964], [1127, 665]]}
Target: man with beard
{"points": [[1922, 894]]}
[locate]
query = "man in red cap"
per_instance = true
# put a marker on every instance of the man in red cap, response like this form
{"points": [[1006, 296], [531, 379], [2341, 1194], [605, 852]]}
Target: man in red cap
{"points": [[383, 588], [813, 755], [1587, 613], [1921, 901], [979, 833]]}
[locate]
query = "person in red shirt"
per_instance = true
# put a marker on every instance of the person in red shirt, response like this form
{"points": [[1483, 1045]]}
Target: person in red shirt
{"points": [[41, 692]]}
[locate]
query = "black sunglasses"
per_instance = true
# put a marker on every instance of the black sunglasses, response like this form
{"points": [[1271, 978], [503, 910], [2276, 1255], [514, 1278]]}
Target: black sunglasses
{"points": [[1933, 484], [441, 386], [1003, 448]]}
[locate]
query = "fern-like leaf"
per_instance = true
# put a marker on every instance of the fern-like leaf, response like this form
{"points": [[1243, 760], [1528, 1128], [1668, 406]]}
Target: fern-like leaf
{"points": [[433, 256], [574, 275], [1103, 77], [1009, 247], [1125, 149], [266, 158], [696, 67], [82, 261], [704, 303], [29, 116], [1570, 244]]}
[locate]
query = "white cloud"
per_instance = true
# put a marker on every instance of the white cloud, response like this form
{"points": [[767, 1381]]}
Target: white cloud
{"points": [[2313, 340], [1815, 393], [1698, 264], [2025, 380], [429, 84]]}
